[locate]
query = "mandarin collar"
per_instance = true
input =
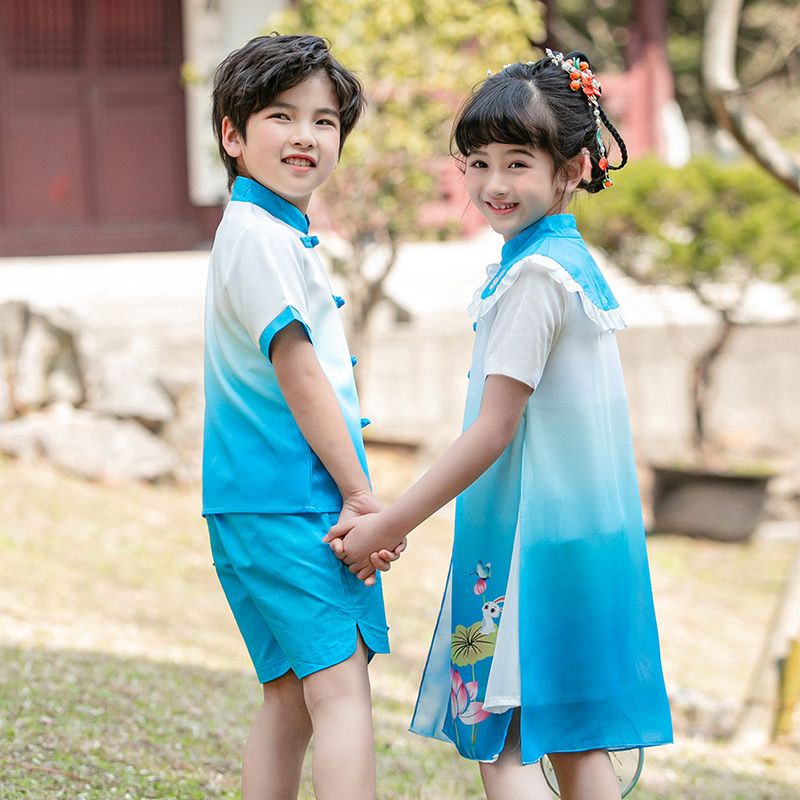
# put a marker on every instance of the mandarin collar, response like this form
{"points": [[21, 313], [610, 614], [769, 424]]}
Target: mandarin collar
{"points": [[249, 191], [551, 225]]}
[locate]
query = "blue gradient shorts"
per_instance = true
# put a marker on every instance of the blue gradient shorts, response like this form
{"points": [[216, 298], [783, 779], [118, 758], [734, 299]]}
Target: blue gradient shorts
{"points": [[297, 606]]}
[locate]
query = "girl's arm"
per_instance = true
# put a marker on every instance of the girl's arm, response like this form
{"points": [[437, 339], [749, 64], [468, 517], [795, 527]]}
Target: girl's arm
{"points": [[502, 406]]}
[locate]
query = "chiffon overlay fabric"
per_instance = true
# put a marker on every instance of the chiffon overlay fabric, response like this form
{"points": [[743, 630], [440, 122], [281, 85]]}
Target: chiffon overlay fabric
{"points": [[548, 604]]}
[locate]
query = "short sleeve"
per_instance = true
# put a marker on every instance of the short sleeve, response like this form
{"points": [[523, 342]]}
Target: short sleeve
{"points": [[265, 284], [528, 321]]}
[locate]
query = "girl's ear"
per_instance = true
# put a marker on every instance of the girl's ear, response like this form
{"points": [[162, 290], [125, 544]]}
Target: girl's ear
{"points": [[231, 140], [586, 175], [579, 170]]}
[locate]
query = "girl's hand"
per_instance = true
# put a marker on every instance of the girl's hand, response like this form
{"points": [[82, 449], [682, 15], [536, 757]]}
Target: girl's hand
{"points": [[353, 507], [381, 560], [363, 537]]}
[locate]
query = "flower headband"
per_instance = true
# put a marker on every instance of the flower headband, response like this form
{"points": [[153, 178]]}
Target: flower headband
{"points": [[582, 79]]}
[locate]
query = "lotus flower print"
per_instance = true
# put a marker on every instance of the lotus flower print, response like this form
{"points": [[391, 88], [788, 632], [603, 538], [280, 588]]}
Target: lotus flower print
{"points": [[463, 704]]}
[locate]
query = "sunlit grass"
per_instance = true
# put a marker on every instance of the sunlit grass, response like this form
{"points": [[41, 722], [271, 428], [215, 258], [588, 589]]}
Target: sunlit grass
{"points": [[122, 674]]}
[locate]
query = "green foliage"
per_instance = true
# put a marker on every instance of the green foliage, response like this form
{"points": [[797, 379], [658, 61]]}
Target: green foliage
{"points": [[417, 59], [768, 55], [707, 222]]}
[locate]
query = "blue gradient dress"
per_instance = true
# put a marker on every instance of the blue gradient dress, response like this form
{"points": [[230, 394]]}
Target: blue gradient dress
{"points": [[548, 605]]}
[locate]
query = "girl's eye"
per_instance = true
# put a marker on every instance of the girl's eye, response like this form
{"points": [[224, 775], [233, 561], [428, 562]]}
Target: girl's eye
{"points": [[326, 122], [476, 164], [517, 164], [279, 115]]}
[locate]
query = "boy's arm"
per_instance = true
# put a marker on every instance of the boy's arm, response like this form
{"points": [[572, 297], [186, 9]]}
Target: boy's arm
{"points": [[502, 406], [316, 410]]}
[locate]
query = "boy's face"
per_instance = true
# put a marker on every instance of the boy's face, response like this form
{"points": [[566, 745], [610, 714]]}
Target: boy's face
{"points": [[292, 145]]}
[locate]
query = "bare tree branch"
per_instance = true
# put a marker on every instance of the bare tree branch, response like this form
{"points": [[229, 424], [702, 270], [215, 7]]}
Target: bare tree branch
{"points": [[725, 95]]}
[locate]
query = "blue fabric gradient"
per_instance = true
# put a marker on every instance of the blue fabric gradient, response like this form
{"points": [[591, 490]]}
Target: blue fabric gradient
{"points": [[566, 486]]}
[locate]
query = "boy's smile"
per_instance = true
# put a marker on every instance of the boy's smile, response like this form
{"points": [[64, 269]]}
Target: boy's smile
{"points": [[291, 145], [513, 186]]}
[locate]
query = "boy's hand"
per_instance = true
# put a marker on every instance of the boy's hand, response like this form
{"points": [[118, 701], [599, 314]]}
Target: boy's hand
{"points": [[367, 545], [356, 505]]}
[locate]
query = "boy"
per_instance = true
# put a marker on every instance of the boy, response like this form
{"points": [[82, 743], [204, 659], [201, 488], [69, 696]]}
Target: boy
{"points": [[283, 453]]}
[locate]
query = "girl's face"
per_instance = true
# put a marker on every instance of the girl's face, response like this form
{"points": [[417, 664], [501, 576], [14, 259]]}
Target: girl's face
{"points": [[515, 185]]}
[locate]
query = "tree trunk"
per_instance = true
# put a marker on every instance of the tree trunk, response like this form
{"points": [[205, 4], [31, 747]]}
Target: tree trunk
{"points": [[367, 293], [757, 718], [701, 380], [726, 96]]}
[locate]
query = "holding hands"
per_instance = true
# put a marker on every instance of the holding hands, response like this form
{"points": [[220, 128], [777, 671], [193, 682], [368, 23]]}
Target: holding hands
{"points": [[365, 543]]}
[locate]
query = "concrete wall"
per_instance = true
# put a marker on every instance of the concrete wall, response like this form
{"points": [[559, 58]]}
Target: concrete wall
{"points": [[414, 379]]}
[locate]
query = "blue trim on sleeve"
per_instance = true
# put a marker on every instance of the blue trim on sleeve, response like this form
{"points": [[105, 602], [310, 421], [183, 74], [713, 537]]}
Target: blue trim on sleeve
{"points": [[287, 316]]}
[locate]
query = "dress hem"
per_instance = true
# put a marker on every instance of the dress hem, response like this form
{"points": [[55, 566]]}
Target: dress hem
{"points": [[442, 737]]}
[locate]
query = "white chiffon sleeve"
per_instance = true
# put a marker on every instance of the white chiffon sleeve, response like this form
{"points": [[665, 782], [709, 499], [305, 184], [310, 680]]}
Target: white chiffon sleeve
{"points": [[529, 318]]}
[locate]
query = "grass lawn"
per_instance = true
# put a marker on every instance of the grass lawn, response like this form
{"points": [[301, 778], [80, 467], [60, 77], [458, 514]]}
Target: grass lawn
{"points": [[122, 674]]}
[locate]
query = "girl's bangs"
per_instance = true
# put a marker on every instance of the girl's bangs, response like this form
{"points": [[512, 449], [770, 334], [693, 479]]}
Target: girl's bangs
{"points": [[506, 115]]}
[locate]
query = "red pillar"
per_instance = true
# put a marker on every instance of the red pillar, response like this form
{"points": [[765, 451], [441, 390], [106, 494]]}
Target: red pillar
{"points": [[650, 82]]}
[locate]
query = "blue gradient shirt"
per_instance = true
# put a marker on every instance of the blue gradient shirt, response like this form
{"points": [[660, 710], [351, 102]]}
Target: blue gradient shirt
{"points": [[265, 274]]}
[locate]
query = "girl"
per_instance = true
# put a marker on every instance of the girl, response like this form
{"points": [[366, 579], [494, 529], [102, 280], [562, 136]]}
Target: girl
{"points": [[546, 641]]}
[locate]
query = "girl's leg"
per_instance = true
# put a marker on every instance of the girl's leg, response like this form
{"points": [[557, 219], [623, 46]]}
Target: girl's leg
{"points": [[273, 755], [586, 776], [338, 700], [507, 779]]}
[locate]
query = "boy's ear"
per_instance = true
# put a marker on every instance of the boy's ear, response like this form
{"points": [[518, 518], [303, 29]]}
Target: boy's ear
{"points": [[231, 140]]}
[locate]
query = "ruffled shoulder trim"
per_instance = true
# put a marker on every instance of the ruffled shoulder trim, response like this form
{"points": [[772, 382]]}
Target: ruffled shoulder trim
{"points": [[606, 320]]}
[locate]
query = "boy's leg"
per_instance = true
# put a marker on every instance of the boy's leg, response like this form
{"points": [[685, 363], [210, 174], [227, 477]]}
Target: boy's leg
{"points": [[338, 700], [273, 755], [507, 778], [586, 776]]}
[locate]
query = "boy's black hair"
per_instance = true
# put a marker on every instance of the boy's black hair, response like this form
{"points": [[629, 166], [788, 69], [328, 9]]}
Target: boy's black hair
{"points": [[532, 104], [251, 77]]}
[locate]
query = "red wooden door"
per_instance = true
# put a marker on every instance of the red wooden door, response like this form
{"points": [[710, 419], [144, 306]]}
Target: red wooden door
{"points": [[92, 141]]}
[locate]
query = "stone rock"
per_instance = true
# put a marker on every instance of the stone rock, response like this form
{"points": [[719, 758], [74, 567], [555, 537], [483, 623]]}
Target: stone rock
{"points": [[90, 445], [185, 431], [124, 385], [39, 359]]}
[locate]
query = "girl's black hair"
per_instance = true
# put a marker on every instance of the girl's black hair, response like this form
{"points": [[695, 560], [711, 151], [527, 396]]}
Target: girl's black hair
{"points": [[532, 104], [251, 77]]}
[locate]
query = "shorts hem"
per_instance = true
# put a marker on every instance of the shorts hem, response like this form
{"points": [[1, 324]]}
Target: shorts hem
{"points": [[273, 670], [375, 639]]}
